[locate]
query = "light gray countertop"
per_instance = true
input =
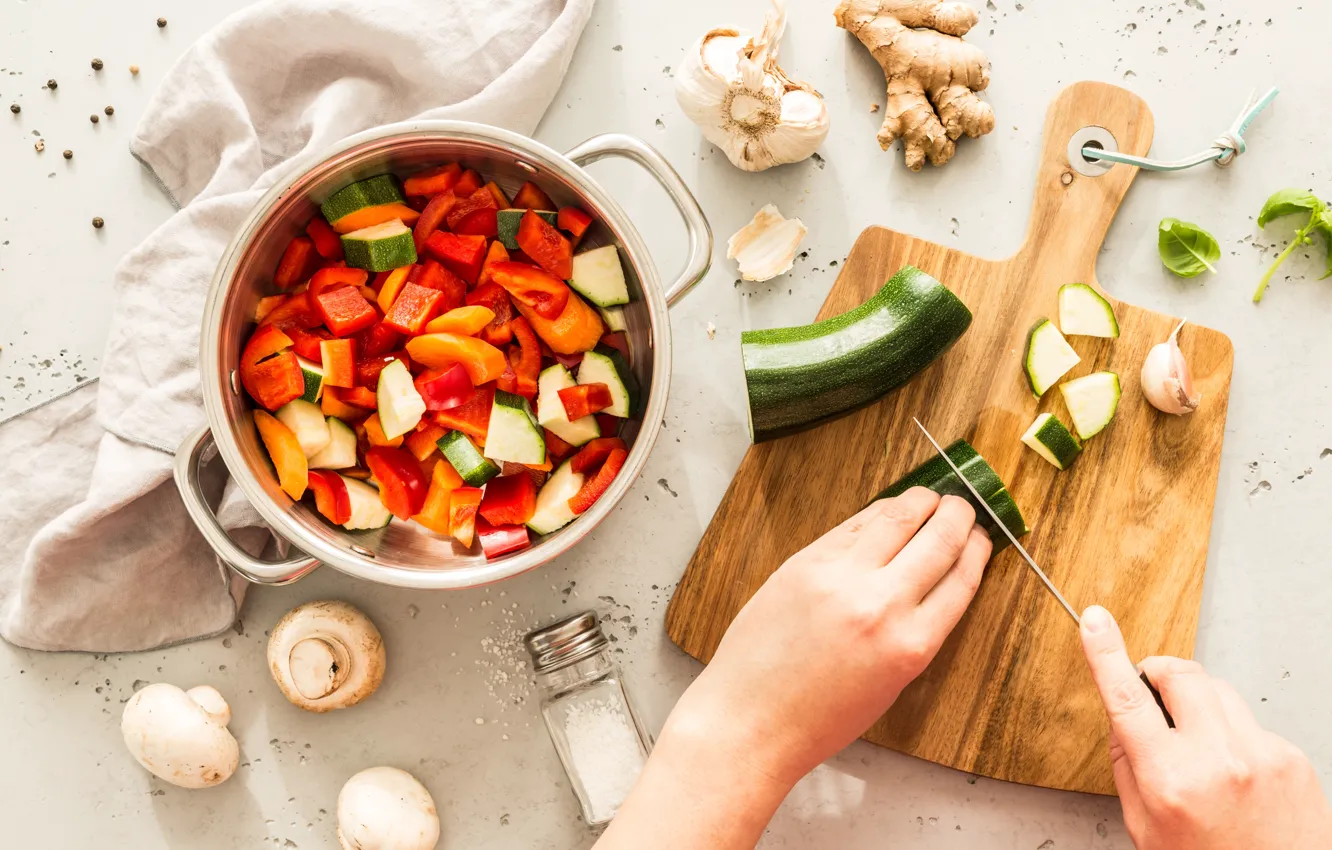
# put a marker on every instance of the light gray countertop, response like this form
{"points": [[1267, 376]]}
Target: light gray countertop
{"points": [[457, 708]]}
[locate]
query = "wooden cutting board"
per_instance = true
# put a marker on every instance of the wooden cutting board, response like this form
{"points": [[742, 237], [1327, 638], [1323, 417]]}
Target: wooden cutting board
{"points": [[1127, 526]]}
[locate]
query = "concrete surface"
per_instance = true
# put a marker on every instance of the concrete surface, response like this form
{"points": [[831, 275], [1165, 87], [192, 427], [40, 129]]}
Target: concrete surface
{"points": [[456, 708]]}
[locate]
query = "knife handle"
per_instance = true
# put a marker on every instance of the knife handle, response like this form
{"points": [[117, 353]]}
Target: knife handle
{"points": [[1156, 695]]}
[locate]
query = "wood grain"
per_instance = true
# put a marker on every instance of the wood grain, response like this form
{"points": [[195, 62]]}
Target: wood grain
{"points": [[1127, 526]]}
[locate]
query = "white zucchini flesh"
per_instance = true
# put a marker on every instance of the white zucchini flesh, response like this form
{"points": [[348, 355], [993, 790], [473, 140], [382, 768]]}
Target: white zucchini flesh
{"points": [[400, 405], [1092, 401], [307, 422], [367, 510], [1049, 357], [550, 411], [1083, 312], [552, 504], [598, 276], [340, 453]]}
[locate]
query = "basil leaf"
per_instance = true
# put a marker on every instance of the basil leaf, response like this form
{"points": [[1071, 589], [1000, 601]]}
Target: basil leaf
{"points": [[1186, 249], [1323, 224], [1289, 202]]}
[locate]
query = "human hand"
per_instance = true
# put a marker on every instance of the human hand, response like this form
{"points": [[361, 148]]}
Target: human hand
{"points": [[832, 638], [1218, 780]]}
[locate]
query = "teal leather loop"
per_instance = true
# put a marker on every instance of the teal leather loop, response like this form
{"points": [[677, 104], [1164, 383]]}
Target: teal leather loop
{"points": [[1224, 150]]}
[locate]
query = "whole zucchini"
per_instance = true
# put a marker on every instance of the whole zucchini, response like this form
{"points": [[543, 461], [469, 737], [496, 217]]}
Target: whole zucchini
{"points": [[801, 377]]}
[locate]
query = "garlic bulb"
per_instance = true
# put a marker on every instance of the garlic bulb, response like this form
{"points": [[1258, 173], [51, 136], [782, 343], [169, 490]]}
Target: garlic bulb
{"points": [[731, 87], [766, 247], [1166, 380]]}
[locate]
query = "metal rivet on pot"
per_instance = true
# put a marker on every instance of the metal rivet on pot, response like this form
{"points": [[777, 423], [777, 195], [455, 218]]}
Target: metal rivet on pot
{"points": [[361, 550], [526, 166], [235, 382]]}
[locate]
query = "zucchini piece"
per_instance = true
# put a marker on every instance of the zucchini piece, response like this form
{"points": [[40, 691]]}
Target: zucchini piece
{"points": [[313, 374], [801, 377], [375, 191], [552, 504], [1049, 357], [508, 221], [935, 474], [1091, 401], [550, 410], [598, 275], [340, 453], [1048, 437], [467, 460], [1083, 312], [367, 509], [400, 405], [513, 433], [380, 247], [306, 421], [606, 365], [613, 317]]}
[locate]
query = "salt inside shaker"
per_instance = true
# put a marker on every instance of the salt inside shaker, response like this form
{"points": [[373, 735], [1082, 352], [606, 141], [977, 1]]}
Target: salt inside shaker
{"points": [[596, 733]]}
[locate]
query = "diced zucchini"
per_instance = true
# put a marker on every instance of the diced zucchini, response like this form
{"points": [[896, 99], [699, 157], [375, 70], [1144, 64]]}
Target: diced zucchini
{"points": [[371, 192], [551, 413], [1049, 357], [606, 365], [552, 504], [598, 275], [1091, 401], [1083, 312], [306, 421], [508, 221], [467, 460], [340, 453], [314, 379], [380, 247], [613, 317], [514, 434], [367, 509], [1048, 437], [400, 405]]}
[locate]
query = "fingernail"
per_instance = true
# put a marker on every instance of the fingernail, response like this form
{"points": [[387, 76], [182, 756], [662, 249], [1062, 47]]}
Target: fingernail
{"points": [[1096, 619]]}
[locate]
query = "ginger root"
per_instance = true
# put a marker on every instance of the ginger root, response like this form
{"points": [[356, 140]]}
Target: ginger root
{"points": [[933, 75]]}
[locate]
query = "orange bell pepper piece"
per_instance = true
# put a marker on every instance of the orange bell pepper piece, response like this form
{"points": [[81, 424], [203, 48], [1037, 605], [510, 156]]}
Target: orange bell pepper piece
{"points": [[483, 361], [463, 505], [538, 289], [434, 181], [496, 253], [530, 197], [424, 440], [578, 328], [434, 514], [285, 451], [543, 243], [393, 284], [374, 433], [370, 216], [332, 405], [467, 321]]}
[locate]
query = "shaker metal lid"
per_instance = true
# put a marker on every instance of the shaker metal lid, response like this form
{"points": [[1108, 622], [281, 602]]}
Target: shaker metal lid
{"points": [[563, 643]]}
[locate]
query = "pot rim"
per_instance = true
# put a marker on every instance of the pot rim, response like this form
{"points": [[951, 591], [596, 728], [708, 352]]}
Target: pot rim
{"points": [[280, 519]]}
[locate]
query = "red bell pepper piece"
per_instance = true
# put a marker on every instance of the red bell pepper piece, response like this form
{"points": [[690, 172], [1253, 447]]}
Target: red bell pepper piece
{"points": [[617, 341], [331, 496], [433, 181], [345, 310], [546, 245], [355, 396], [435, 276], [507, 381], [326, 240], [462, 255], [556, 448], [493, 296], [502, 539], [432, 217], [592, 454], [472, 417], [463, 505], [402, 487], [475, 215], [509, 500], [417, 202], [598, 484], [585, 400], [377, 339], [609, 425], [296, 311], [332, 277], [480, 223], [528, 367], [368, 368], [468, 183], [444, 389], [266, 305], [546, 294], [268, 370], [569, 361], [295, 263], [306, 343], [414, 306], [338, 357], [574, 222], [530, 197]]}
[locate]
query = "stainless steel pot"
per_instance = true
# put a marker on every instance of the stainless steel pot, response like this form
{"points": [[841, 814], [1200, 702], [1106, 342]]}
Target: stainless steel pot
{"points": [[405, 554]]}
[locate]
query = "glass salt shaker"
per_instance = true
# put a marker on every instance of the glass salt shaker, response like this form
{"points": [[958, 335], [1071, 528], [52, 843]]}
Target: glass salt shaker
{"points": [[596, 733]]}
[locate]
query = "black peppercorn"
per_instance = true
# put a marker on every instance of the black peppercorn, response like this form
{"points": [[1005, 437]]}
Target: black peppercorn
{"points": [[110, 110], [93, 118], [97, 222], [68, 154], [97, 64], [52, 84], [161, 22], [15, 108]]}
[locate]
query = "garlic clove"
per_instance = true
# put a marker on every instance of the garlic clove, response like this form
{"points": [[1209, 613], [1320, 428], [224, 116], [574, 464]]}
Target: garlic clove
{"points": [[1166, 380], [766, 247]]}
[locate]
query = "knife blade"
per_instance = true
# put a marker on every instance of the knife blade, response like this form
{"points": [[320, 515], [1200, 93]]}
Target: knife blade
{"points": [[1049, 585]]}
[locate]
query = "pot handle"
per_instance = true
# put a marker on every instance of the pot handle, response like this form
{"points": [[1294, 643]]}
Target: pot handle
{"points": [[696, 224], [251, 568]]}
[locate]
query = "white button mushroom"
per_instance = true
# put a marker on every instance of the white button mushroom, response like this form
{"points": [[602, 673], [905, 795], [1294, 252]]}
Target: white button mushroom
{"points": [[181, 736], [384, 808], [326, 655]]}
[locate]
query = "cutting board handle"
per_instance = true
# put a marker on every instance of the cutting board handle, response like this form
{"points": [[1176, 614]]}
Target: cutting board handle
{"points": [[1067, 199]]}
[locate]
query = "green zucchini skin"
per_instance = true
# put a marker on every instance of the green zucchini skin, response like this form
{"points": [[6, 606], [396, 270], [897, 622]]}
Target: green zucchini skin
{"points": [[935, 475], [798, 378]]}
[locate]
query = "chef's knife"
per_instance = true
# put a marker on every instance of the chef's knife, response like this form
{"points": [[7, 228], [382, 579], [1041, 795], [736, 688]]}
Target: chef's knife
{"points": [[1049, 585]]}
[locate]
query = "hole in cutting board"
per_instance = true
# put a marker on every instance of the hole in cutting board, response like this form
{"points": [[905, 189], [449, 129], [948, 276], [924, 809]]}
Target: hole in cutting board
{"points": [[1090, 137]]}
